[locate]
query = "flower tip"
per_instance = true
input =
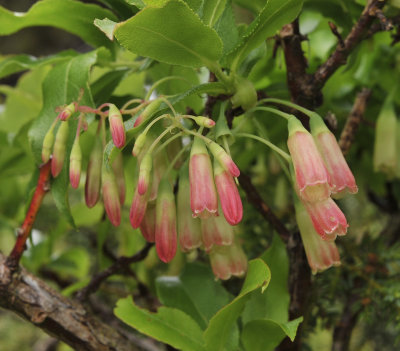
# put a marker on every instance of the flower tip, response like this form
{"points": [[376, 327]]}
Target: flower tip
{"points": [[142, 186], [56, 167], [138, 121], [74, 178]]}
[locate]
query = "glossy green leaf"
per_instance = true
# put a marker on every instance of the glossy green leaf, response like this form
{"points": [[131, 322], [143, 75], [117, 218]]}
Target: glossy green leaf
{"points": [[106, 26], [212, 10], [227, 30], [18, 63], [195, 292], [72, 16], [274, 15], [167, 325], [266, 335], [62, 86], [220, 326], [154, 32]]}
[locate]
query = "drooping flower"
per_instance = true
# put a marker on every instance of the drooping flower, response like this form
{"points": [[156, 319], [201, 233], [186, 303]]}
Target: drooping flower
{"points": [[189, 228], [327, 218], [203, 195], [321, 254], [149, 111], [75, 162], [204, 121], [165, 232], [139, 143], [216, 231], [224, 159], [67, 112], [111, 197], [116, 126], [148, 224], [118, 168], [93, 174], [228, 195], [59, 149], [342, 178], [48, 143], [312, 177], [227, 261], [385, 148], [138, 208], [145, 168]]}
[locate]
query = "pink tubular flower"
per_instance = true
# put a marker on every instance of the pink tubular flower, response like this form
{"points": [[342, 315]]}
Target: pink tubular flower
{"points": [[341, 177], [327, 218], [75, 161], [227, 261], [148, 225], [216, 231], [228, 195], [149, 111], [312, 177], [67, 112], [116, 126], [138, 208], [165, 233], [111, 197], [146, 166], [321, 254], [203, 196], [118, 168], [93, 174], [189, 228], [57, 161], [224, 159]]}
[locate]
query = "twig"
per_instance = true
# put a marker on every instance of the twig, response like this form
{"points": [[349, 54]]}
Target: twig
{"points": [[353, 120], [42, 187], [336, 33], [118, 266], [255, 199]]}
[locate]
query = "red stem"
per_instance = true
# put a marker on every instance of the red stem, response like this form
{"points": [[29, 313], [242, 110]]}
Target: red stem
{"points": [[42, 188]]}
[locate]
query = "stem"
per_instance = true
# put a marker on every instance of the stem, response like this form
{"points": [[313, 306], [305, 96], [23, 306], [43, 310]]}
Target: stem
{"points": [[155, 121], [155, 142], [175, 159], [290, 104], [42, 187], [285, 155], [272, 110], [168, 104], [133, 101], [187, 131], [161, 147], [222, 77], [161, 81]]}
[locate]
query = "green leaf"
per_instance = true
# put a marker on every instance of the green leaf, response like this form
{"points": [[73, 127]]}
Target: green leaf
{"points": [[274, 303], [227, 30], [72, 16], [106, 26], [194, 292], [212, 10], [167, 325], [220, 326], [274, 15], [155, 32], [17, 63], [103, 87], [266, 335], [62, 86]]}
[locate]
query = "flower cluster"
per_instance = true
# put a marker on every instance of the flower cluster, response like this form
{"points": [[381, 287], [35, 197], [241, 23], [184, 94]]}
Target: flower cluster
{"points": [[208, 200], [321, 173]]}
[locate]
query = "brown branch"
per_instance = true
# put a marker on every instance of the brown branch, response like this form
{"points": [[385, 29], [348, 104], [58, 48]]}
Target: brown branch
{"points": [[255, 199], [42, 187], [118, 266], [340, 55], [353, 120], [67, 320], [336, 33]]}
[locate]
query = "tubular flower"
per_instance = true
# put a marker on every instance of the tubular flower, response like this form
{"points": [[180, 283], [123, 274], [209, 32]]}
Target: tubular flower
{"points": [[146, 166], [47, 147], [385, 148], [189, 228], [148, 225], [204, 121], [165, 233], [312, 177], [111, 197], [321, 254], [93, 174], [203, 196], [149, 110], [224, 159], [59, 149], [116, 126], [228, 195], [118, 168], [327, 218], [138, 208], [340, 174], [67, 112], [139, 143], [216, 231], [227, 261], [75, 162]]}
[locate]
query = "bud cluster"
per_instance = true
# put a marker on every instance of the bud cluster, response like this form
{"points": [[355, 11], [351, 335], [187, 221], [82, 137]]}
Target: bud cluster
{"points": [[207, 205], [321, 173]]}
